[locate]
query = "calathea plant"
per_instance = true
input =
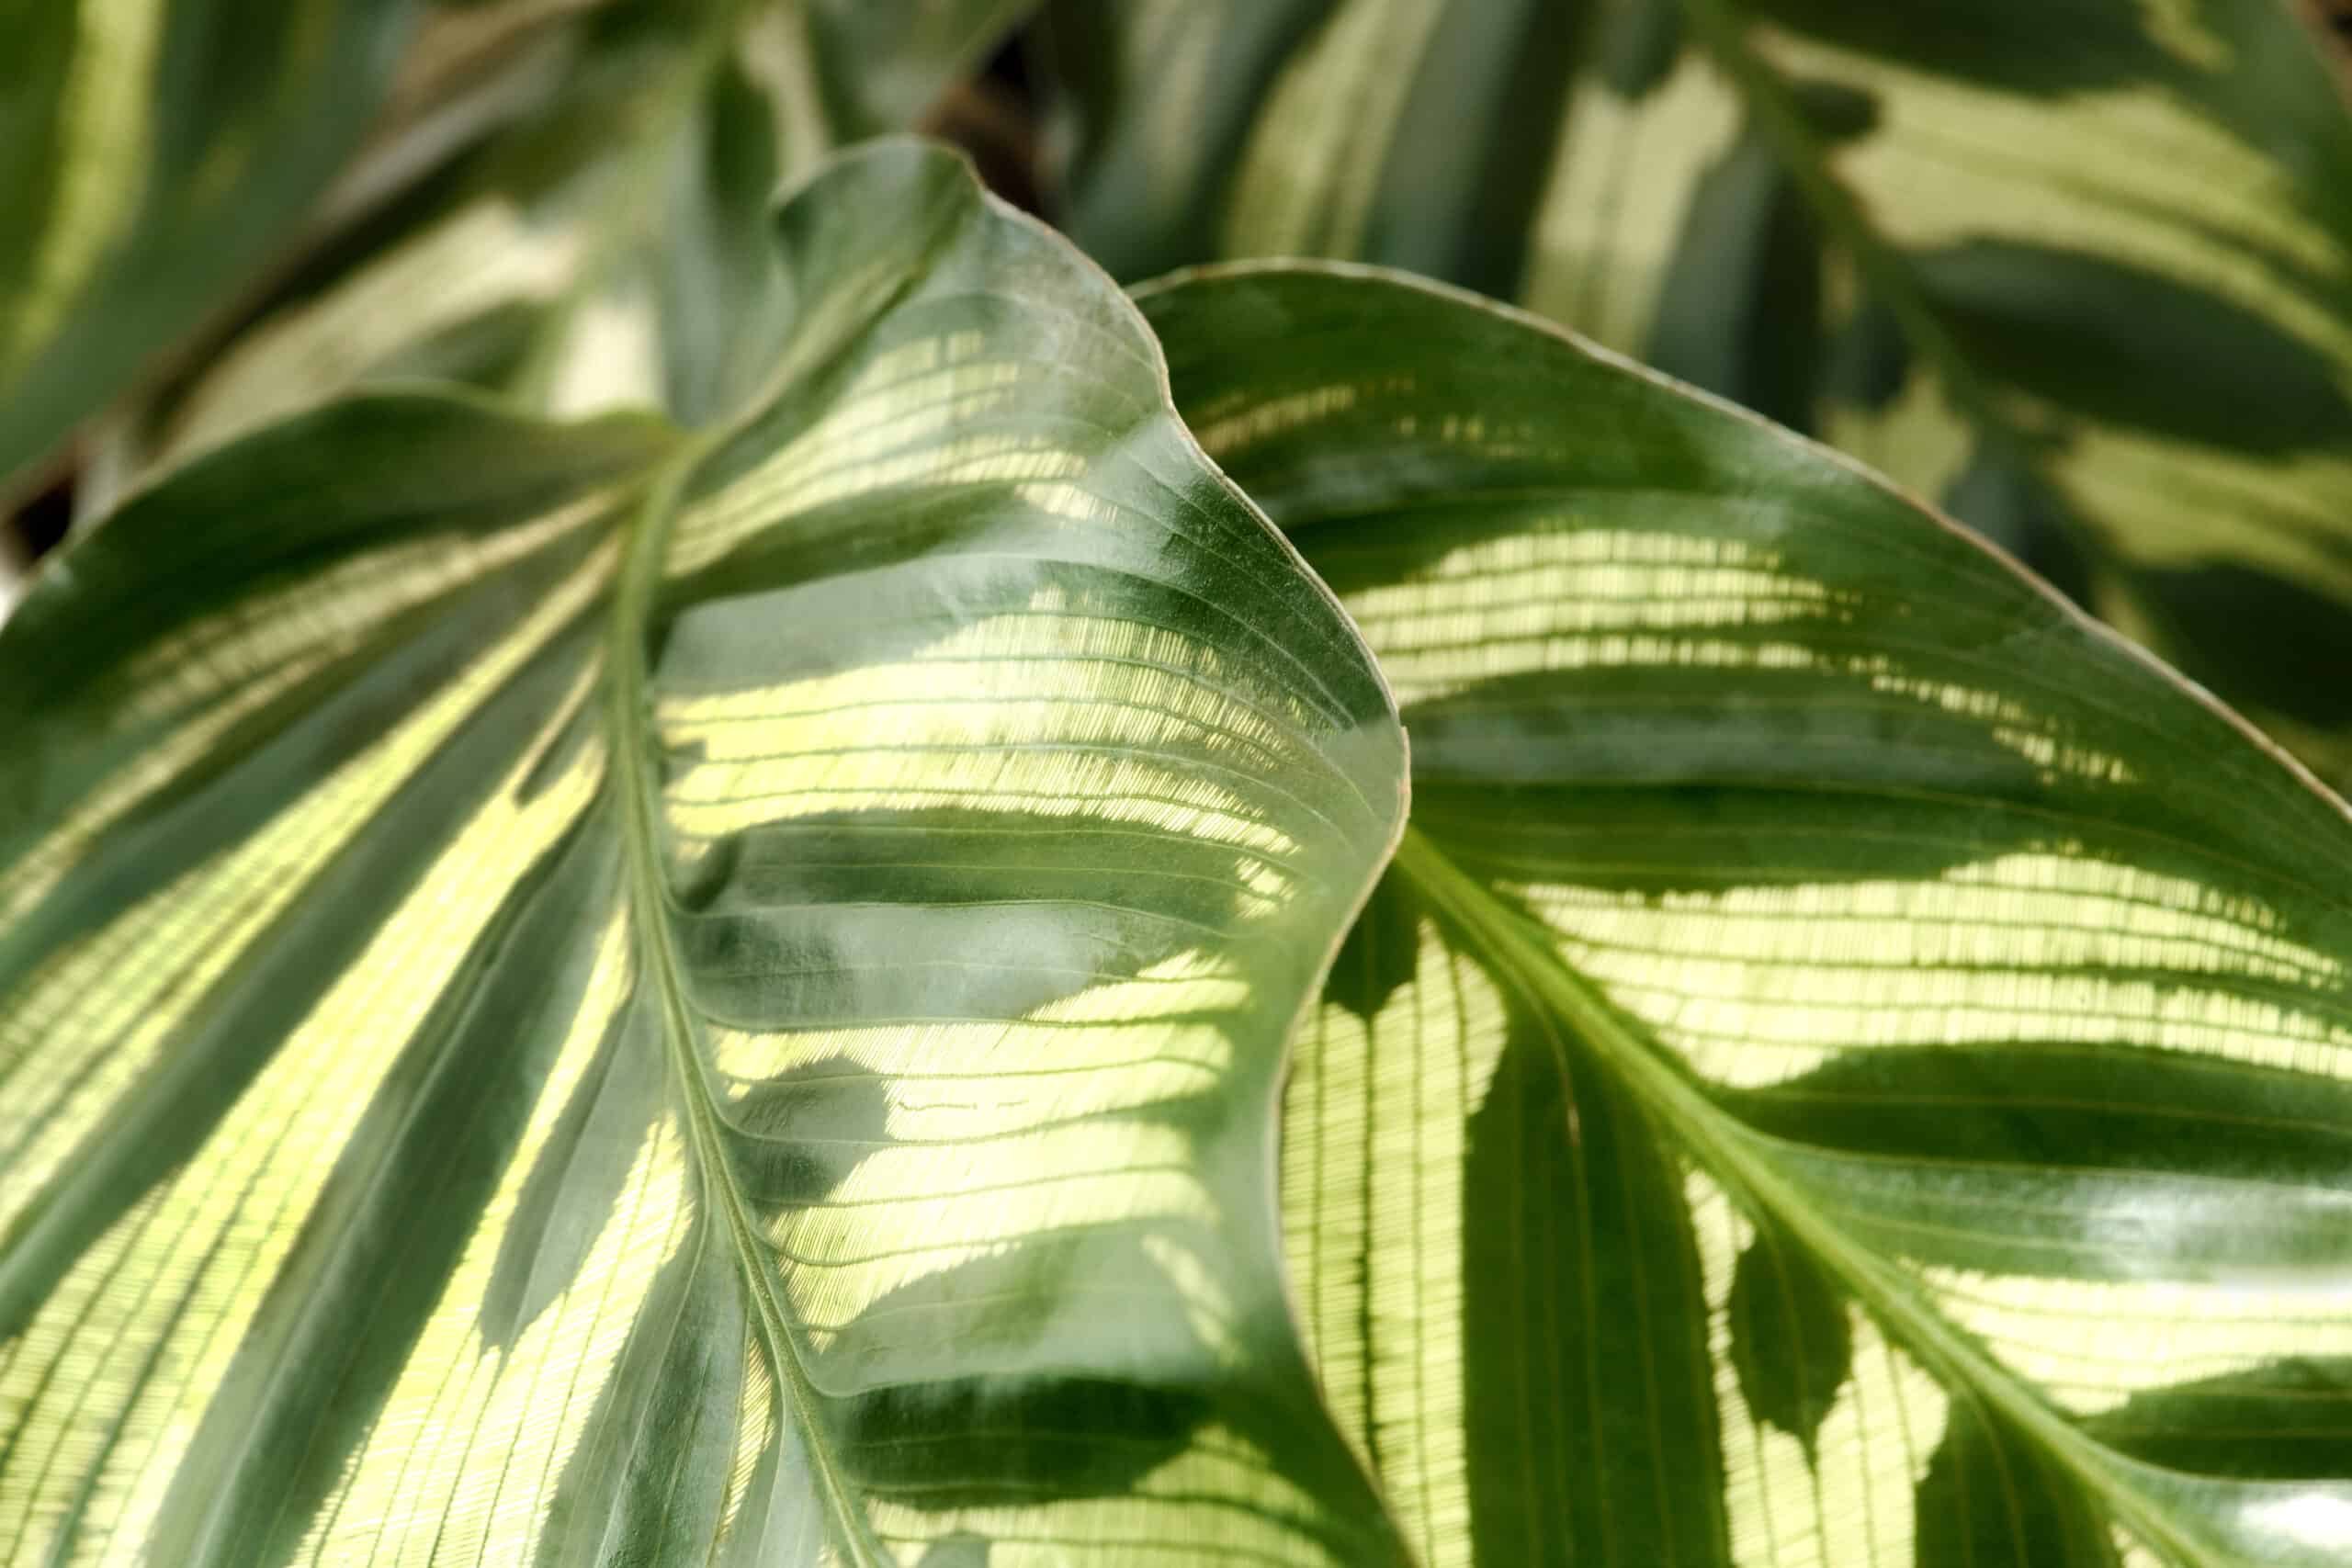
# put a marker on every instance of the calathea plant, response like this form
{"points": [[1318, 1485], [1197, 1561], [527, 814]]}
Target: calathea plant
{"points": [[1286, 919]]}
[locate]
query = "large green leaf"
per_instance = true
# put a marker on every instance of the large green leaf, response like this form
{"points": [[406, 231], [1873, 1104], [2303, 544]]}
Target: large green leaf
{"points": [[570, 994], [2082, 269], [151, 152], [606, 248], [1850, 1064]]}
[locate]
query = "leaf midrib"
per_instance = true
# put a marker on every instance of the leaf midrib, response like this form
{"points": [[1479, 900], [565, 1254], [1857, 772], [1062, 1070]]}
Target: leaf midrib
{"points": [[648, 894], [1738, 1159]]}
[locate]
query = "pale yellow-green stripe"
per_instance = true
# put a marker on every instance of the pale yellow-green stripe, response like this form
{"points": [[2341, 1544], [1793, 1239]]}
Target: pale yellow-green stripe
{"points": [[103, 132]]}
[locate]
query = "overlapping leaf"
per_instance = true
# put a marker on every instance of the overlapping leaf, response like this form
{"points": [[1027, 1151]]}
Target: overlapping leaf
{"points": [[570, 996], [1849, 1063], [151, 153], [2080, 268]]}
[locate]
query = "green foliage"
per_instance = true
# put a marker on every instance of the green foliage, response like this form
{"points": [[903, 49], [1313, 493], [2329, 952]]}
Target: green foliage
{"points": [[1848, 1030], [736, 983], [2079, 269], [704, 859], [153, 151]]}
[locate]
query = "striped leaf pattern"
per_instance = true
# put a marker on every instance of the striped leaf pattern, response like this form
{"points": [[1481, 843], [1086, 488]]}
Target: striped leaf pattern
{"points": [[2079, 269], [572, 995], [1848, 1065], [151, 152]]}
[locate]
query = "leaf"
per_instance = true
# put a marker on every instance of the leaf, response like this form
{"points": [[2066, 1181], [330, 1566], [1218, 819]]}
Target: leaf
{"points": [[572, 995], [151, 152], [881, 63], [1853, 1057], [2081, 271], [606, 250]]}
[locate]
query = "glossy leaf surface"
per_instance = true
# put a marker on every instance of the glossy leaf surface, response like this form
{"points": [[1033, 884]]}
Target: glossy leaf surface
{"points": [[571, 996], [2081, 270], [1848, 1065], [151, 152]]}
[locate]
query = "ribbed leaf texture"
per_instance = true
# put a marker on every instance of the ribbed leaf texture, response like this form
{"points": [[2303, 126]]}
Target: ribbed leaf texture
{"points": [[1848, 1065], [2080, 270], [575, 996]]}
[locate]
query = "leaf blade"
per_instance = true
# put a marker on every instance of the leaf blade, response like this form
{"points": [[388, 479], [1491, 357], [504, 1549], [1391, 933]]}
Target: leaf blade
{"points": [[1756, 780], [767, 1138], [151, 167]]}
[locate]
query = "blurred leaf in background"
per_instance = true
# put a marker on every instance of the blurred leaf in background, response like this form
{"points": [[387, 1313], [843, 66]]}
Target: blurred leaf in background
{"points": [[2079, 269], [152, 155], [608, 249]]}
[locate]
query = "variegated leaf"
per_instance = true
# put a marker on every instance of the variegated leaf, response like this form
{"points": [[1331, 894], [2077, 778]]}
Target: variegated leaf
{"points": [[1850, 1064], [2081, 269], [575, 996]]}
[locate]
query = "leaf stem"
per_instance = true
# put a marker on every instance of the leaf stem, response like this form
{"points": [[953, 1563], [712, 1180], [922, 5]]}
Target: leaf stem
{"points": [[649, 894]]}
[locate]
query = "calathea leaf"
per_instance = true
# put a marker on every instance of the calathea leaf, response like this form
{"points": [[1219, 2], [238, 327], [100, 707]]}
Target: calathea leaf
{"points": [[569, 994], [153, 151], [1852, 1055], [2082, 271]]}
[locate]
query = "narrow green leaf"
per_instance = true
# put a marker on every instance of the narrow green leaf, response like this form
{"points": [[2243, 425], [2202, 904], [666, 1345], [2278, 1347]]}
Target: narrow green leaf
{"points": [[2079, 269], [572, 995], [1897, 990], [609, 249], [151, 152]]}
